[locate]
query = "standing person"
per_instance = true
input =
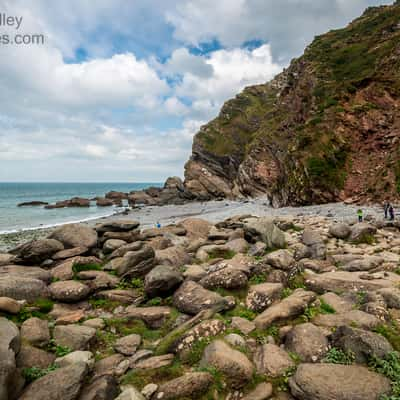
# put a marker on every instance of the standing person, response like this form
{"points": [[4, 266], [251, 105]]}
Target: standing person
{"points": [[360, 215], [391, 212], [386, 206]]}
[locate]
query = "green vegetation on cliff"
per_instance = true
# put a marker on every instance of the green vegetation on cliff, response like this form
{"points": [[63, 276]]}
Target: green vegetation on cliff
{"points": [[322, 129]]}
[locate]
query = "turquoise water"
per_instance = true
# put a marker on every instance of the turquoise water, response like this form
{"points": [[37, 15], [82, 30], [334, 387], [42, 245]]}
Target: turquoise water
{"points": [[13, 218]]}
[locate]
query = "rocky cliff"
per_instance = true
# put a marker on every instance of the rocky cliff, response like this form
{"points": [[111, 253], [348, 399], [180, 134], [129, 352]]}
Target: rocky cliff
{"points": [[327, 128]]}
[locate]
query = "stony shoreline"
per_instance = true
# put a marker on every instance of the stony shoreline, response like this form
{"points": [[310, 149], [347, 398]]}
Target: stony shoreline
{"points": [[301, 304], [212, 211]]}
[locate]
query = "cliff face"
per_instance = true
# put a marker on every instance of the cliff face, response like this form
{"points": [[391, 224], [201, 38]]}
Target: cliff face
{"points": [[325, 129]]}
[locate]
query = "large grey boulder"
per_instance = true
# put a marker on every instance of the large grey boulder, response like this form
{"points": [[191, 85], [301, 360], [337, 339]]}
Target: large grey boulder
{"points": [[69, 291], [361, 232], [281, 259], [340, 231], [64, 383], [9, 346], [101, 388], [361, 343], [75, 337], [75, 235], [117, 226], [233, 364], [192, 298], [337, 382], [127, 345], [162, 280], [391, 297], [35, 331], [175, 256], [26, 272], [271, 360], [227, 278], [354, 317], [19, 288], [30, 356], [308, 341], [265, 230], [191, 385], [261, 296], [289, 307], [315, 243], [134, 263], [36, 251]]}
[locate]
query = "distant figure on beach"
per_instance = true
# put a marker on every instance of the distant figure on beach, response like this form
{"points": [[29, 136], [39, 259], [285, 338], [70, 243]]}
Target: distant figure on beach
{"points": [[386, 206], [391, 212], [360, 215], [158, 225]]}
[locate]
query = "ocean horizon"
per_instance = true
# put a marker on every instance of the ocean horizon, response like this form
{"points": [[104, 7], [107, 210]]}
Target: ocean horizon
{"points": [[14, 218]]}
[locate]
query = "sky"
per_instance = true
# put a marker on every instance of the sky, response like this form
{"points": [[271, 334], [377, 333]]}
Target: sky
{"points": [[118, 88]]}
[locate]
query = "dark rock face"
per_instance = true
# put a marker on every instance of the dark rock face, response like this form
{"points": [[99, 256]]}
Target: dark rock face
{"points": [[268, 141], [36, 251]]}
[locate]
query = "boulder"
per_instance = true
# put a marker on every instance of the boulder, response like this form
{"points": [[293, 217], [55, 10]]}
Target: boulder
{"points": [[30, 356], [261, 296], [111, 245], [227, 278], [22, 271], [337, 303], [233, 364], [103, 202], [238, 245], [281, 259], [363, 264], [192, 298], [308, 341], [196, 228], [162, 280], [337, 382], [175, 256], [190, 385], [128, 345], [358, 318], [391, 297], [271, 360], [35, 331], [75, 235], [340, 231], [359, 232], [130, 393], [69, 253], [125, 296], [108, 366], [361, 343], [69, 291], [344, 281], [9, 346], [9, 305], [154, 317], [289, 307], [63, 383], [101, 388], [243, 325], [19, 288], [262, 391], [121, 251], [97, 280], [266, 231], [75, 337], [315, 243], [76, 357], [6, 259], [134, 263], [37, 251]]}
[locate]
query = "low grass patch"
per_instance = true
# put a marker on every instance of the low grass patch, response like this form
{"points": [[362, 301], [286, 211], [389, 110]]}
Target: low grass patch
{"points": [[390, 367], [391, 332], [338, 356], [33, 373], [76, 268]]}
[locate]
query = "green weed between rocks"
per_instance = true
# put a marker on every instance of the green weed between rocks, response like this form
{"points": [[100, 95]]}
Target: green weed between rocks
{"points": [[76, 268], [390, 367], [57, 349], [337, 356], [33, 373], [391, 332]]}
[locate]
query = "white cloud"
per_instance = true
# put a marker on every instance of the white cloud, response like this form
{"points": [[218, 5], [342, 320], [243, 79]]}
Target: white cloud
{"points": [[181, 61]]}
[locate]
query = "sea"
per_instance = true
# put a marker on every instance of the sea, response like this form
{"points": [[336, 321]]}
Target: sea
{"points": [[14, 219]]}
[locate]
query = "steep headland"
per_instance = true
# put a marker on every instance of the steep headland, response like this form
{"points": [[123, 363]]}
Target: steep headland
{"points": [[327, 128]]}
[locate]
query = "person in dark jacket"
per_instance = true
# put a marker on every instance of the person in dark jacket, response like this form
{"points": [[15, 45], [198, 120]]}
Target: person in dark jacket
{"points": [[391, 212], [386, 206]]}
